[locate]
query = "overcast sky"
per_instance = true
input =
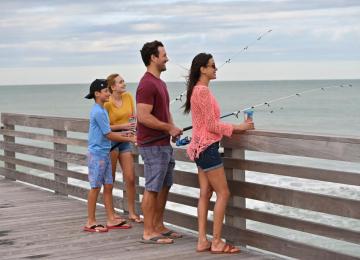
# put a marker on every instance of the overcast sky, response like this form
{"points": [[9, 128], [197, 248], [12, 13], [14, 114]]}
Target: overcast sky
{"points": [[76, 41]]}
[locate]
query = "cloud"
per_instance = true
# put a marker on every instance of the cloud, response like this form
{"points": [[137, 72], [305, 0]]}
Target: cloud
{"points": [[35, 58], [145, 27], [59, 33]]}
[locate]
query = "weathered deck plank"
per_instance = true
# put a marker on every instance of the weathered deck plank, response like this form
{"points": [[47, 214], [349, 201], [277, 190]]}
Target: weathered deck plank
{"points": [[37, 224]]}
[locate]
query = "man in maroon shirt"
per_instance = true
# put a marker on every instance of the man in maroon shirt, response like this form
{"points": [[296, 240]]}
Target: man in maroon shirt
{"points": [[154, 122]]}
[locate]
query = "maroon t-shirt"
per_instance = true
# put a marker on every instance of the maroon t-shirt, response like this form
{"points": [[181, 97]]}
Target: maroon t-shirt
{"points": [[153, 91]]}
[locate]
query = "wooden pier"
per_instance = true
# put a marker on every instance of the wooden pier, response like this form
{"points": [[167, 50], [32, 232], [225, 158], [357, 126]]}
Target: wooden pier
{"points": [[37, 224], [49, 152]]}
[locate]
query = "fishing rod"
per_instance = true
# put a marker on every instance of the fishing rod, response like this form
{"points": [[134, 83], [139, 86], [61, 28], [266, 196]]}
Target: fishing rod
{"points": [[249, 110], [245, 48], [268, 103]]}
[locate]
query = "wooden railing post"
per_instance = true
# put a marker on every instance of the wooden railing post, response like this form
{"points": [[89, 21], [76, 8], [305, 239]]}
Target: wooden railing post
{"points": [[59, 164], [235, 201], [9, 139]]}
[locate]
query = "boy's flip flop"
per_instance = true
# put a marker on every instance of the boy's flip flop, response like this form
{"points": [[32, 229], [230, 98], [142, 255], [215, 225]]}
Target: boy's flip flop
{"points": [[94, 228], [156, 240], [121, 225]]}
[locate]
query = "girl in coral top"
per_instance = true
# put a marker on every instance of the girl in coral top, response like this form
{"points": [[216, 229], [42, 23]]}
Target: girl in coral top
{"points": [[203, 149], [121, 108]]}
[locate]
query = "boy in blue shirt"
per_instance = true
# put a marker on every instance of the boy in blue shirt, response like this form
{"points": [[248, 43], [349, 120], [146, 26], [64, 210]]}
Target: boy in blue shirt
{"points": [[99, 163]]}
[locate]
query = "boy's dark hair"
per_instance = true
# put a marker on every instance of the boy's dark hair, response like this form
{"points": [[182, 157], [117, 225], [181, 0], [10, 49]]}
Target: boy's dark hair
{"points": [[150, 48]]}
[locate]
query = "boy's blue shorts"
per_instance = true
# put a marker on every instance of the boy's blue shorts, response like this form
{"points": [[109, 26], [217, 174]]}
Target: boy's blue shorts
{"points": [[99, 170]]}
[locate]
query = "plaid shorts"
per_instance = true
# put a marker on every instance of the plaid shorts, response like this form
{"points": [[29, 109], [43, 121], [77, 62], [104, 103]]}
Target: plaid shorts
{"points": [[99, 170], [159, 166]]}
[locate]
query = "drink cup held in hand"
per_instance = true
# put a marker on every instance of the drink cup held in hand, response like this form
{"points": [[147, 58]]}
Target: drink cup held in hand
{"points": [[249, 115], [132, 119]]}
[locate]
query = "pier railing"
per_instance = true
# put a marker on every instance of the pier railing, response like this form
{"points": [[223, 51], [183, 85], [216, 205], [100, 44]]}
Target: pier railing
{"points": [[50, 152]]}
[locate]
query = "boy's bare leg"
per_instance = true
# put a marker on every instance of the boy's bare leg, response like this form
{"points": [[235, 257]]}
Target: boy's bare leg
{"points": [[92, 199], [114, 157]]}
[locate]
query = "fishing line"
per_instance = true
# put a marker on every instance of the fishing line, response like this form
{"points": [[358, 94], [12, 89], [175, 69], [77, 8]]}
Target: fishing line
{"points": [[245, 48]]}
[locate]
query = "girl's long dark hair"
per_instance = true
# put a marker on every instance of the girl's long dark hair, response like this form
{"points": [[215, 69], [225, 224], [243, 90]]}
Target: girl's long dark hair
{"points": [[200, 60]]}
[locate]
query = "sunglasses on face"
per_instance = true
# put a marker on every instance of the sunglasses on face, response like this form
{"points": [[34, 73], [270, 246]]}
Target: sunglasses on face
{"points": [[212, 66]]}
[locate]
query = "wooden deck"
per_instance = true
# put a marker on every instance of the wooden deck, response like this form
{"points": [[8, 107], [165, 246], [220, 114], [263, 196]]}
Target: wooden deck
{"points": [[37, 224]]}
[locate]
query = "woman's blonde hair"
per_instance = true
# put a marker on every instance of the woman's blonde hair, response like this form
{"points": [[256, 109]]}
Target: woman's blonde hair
{"points": [[111, 81]]}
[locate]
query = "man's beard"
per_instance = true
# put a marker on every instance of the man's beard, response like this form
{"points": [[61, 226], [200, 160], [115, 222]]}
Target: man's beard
{"points": [[162, 68]]}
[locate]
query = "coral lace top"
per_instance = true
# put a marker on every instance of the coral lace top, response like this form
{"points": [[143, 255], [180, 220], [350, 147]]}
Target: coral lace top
{"points": [[207, 127]]}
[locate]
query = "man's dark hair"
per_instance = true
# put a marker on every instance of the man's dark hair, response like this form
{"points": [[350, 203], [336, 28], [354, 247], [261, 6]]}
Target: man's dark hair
{"points": [[150, 48]]}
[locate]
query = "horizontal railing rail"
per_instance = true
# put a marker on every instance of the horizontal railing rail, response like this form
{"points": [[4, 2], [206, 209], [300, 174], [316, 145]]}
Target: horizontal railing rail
{"points": [[50, 152]]}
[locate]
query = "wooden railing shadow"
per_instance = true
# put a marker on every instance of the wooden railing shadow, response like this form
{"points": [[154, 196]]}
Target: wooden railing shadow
{"points": [[50, 152]]}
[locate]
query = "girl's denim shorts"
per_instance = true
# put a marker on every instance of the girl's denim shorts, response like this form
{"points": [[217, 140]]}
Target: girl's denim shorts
{"points": [[210, 158], [123, 147]]}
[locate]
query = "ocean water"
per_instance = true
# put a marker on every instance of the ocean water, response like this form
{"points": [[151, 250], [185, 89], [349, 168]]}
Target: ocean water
{"points": [[334, 111]]}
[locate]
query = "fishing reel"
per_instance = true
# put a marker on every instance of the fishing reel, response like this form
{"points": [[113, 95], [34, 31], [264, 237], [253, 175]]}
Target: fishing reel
{"points": [[184, 141]]}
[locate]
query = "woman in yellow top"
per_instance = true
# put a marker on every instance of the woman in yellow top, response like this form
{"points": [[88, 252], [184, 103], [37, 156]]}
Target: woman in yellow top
{"points": [[121, 108]]}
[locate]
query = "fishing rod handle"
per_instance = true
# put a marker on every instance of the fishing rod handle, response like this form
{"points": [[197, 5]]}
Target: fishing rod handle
{"points": [[167, 135], [160, 137], [187, 128]]}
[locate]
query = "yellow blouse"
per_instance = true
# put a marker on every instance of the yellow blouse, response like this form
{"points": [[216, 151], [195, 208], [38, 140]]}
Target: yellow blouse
{"points": [[120, 115]]}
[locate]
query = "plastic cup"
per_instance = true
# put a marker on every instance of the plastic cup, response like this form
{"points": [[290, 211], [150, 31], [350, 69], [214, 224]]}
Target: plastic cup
{"points": [[132, 119], [248, 115]]}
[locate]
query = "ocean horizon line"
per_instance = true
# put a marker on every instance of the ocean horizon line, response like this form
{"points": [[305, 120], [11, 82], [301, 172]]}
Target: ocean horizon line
{"points": [[169, 82]]}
